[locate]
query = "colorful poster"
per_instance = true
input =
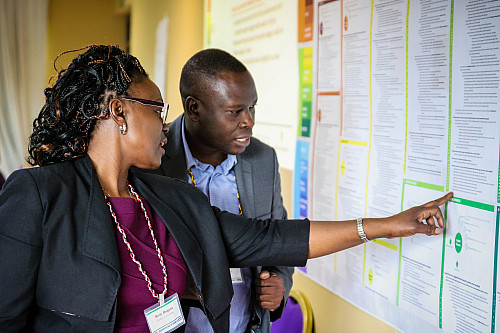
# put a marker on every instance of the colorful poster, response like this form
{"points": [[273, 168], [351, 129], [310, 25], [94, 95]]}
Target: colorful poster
{"points": [[306, 20], [398, 102], [406, 103], [301, 180], [306, 87]]}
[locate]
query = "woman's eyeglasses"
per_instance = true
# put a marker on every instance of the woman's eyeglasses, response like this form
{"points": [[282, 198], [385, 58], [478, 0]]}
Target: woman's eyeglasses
{"points": [[164, 106]]}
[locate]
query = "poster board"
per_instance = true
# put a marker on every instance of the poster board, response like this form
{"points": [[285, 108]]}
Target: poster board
{"points": [[394, 103], [406, 107]]}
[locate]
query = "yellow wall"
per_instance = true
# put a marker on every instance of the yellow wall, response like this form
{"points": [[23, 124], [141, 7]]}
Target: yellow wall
{"points": [[73, 24], [185, 37]]}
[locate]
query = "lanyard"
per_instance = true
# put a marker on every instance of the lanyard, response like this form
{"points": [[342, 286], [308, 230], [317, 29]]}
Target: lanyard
{"points": [[237, 192], [132, 254]]}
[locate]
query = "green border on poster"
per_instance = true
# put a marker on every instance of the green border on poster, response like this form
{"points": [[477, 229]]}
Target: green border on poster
{"points": [[429, 186]]}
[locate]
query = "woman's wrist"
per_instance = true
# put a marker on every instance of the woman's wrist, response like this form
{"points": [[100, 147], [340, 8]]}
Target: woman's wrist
{"points": [[377, 228]]}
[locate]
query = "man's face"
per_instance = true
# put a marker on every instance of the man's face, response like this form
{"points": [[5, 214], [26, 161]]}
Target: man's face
{"points": [[227, 113]]}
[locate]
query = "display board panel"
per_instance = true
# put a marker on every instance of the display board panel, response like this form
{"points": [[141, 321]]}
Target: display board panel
{"points": [[392, 104]]}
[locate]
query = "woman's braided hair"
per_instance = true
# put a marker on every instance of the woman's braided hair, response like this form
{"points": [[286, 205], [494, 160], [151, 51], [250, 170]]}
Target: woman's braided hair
{"points": [[78, 99]]}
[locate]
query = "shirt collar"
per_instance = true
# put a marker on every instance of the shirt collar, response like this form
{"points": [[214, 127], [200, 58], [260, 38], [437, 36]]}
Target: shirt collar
{"points": [[191, 161]]}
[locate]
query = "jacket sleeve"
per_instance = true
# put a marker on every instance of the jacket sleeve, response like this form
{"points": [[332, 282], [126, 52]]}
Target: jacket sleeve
{"points": [[252, 242], [20, 247]]}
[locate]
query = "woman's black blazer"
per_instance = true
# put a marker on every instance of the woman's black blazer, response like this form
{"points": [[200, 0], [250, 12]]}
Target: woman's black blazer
{"points": [[59, 266]]}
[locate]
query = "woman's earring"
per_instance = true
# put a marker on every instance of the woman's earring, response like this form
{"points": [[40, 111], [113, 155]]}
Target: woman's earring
{"points": [[123, 129]]}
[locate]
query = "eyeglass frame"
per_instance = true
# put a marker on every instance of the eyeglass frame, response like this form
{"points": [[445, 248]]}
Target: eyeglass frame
{"points": [[164, 106]]}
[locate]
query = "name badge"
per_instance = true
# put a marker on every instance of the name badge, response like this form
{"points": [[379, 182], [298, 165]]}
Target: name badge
{"points": [[236, 276], [165, 316]]}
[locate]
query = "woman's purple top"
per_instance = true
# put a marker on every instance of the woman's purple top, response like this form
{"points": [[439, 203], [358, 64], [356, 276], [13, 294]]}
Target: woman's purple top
{"points": [[133, 295]]}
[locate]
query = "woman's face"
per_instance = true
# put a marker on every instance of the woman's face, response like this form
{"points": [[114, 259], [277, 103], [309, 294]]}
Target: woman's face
{"points": [[145, 137]]}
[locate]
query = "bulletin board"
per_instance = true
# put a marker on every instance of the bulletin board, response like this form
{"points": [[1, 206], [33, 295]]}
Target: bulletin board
{"points": [[396, 103]]}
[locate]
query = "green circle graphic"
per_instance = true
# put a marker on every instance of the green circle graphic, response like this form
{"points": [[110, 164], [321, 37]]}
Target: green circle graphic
{"points": [[458, 242]]}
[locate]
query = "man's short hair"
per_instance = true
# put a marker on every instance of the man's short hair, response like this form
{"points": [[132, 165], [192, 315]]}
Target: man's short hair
{"points": [[204, 65]]}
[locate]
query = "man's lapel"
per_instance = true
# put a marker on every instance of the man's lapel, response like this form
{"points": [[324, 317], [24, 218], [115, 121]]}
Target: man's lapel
{"points": [[174, 161], [243, 172]]}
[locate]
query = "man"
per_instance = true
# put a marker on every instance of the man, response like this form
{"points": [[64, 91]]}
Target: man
{"points": [[211, 146]]}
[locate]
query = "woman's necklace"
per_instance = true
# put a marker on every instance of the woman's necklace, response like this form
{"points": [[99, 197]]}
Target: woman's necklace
{"points": [[158, 296], [107, 195]]}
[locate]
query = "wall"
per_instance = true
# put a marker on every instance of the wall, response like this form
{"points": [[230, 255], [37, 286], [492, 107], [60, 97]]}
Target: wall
{"points": [[185, 37], [74, 24]]}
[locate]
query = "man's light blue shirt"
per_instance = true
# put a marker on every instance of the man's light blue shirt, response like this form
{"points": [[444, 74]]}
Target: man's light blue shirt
{"points": [[219, 185]]}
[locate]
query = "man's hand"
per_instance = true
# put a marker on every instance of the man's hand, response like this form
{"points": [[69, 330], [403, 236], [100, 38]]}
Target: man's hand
{"points": [[269, 289]]}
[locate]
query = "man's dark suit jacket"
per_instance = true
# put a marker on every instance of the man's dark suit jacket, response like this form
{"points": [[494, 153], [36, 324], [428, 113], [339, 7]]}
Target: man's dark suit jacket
{"points": [[59, 265], [259, 187]]}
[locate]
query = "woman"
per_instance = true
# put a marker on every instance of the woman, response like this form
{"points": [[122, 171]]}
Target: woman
{"points": [[87, 246]]}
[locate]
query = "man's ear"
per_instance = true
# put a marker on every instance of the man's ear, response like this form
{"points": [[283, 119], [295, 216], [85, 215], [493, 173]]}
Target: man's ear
{"points": [[116, 111], [192, 106]]}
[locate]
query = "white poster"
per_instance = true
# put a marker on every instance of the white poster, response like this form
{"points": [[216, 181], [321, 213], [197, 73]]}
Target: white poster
{"points": [[262, 34]]}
